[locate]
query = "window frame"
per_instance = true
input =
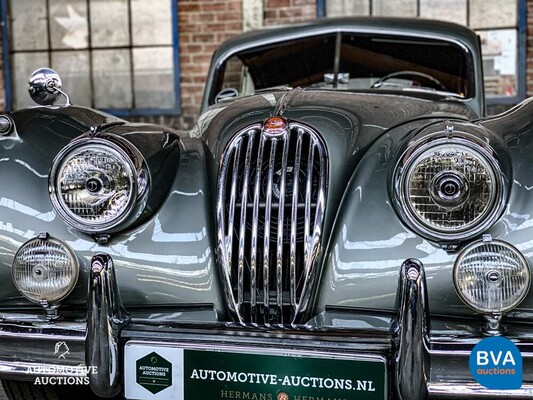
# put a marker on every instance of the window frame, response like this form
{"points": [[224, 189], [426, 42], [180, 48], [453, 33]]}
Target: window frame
{"points": [[521, 32], [119, 112]]}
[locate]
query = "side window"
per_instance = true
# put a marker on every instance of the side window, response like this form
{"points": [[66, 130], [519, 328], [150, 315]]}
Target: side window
{"points": [[237, 76]]}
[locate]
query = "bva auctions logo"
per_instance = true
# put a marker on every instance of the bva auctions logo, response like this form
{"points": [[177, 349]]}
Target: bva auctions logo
{"points": [[496, 363]]}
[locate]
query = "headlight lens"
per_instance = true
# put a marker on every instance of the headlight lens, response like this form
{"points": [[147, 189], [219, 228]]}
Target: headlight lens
{"points": [[93, 185], [450, 188], [45, 270], [491, 277]]}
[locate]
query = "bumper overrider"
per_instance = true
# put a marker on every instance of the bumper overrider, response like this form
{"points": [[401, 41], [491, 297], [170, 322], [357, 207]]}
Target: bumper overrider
{"points": [[418, 365]]}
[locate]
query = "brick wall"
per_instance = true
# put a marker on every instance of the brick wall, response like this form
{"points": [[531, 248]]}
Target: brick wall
{"points": [[529, 49], [203, 25], [287, 11]]}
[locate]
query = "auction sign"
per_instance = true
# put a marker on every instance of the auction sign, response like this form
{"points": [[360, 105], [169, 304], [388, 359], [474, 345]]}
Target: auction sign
{"points": [[165, 371]]}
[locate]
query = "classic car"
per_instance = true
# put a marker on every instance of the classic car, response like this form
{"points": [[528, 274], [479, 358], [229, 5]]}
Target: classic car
{"points": [[343, 222]]}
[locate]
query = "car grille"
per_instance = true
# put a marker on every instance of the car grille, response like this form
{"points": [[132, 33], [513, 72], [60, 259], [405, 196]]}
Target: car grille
{"points": [[271, 201]]}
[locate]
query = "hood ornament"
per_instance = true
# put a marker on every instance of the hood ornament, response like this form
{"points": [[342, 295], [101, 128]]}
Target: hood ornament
{"points": [[45, 87]]}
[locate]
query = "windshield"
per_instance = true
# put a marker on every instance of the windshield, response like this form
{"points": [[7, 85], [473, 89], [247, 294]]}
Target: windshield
{"points": [[349, 61]]}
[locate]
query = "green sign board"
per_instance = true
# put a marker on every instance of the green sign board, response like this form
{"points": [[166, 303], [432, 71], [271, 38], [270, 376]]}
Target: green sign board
{"points": [[223, 375], [154, 373]]}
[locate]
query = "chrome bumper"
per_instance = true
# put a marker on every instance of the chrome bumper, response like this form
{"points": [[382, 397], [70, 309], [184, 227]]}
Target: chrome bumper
{"points": [[421, 365]]}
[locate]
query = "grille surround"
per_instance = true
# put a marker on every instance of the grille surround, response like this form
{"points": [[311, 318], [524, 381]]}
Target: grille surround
{"points": [[268, 272]]}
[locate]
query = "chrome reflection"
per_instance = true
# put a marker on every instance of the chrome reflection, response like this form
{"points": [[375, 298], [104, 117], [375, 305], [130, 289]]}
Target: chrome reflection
{"points": [[410, 331], [105, 318]]}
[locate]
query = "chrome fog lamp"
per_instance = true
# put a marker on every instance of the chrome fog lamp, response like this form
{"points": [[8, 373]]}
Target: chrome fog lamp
{"points": [[45, 270], [450, 188], [94, 185], [491, 277]]}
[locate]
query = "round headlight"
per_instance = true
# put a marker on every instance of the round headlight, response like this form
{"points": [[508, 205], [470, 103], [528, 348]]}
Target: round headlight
{"points": [[451, 188], [93, 185], [491, 277], [45, 270]]}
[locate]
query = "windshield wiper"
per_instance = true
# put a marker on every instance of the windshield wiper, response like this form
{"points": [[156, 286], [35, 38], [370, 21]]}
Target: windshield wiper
{"points": [[429, 90], [269, 89]]}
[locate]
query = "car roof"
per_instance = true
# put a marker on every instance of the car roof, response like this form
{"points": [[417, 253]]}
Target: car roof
{"points": [[409, 27], [383, 25]]}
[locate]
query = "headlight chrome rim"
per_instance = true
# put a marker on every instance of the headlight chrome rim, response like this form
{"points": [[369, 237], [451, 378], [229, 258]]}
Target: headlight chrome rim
{"points": [[493, 275], [74, 265], [479, 149], [58, 202]]}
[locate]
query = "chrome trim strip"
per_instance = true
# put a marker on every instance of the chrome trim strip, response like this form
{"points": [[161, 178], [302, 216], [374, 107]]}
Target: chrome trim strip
{"points": [[105, 318], [410, 357], [255, 217], [281, 211], [455, 390], [294, 221]]}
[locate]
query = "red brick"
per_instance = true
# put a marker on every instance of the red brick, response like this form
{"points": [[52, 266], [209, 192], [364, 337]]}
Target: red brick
{"points": [[277, 3], [184, 7], [234, 6], [219, 6], [292, 13], [229, 17], [201, 58], [203, 38], [304, 3]]}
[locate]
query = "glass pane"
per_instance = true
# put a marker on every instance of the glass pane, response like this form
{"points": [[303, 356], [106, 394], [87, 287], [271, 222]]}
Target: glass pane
{"points": [[151, 22], [73, 68], [492, 13], [499, 61], [444, 10], [154, 77], [109, 23], [28, 24], [23, 65], [396, 8], [112, 79], [339, 8], [68, 24]]}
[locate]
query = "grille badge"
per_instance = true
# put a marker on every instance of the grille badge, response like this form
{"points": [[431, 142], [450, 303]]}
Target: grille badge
{"points": [[275, 126]]}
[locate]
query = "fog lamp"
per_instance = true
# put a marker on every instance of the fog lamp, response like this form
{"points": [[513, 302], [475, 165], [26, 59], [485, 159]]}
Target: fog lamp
{"points": [[45, 270], [491, 276]]}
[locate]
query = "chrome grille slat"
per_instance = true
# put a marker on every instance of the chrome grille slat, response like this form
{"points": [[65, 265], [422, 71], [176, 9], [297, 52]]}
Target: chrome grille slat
{"points": [[307, 217], [294, 218], [255, 217], [242, 226], [271, 194], [266, 249], [233, 200], [279, 244]]}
